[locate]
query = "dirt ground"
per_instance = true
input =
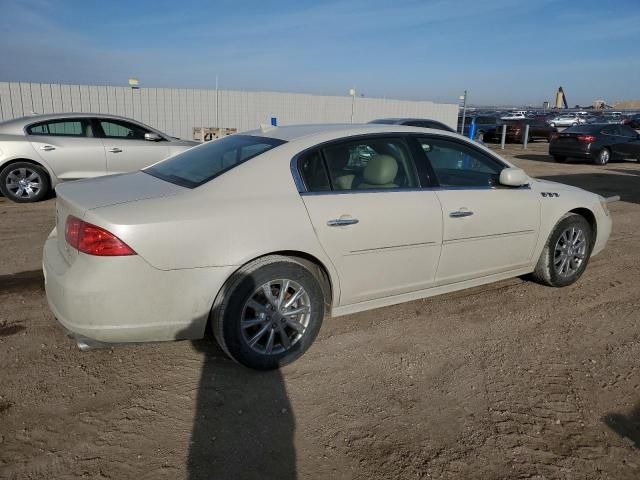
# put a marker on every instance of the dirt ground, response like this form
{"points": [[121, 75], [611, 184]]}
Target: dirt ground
{"points": [[511, 380]]}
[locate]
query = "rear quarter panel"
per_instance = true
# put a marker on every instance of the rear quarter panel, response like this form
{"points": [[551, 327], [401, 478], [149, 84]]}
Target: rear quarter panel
{"points": [[247, 212]]}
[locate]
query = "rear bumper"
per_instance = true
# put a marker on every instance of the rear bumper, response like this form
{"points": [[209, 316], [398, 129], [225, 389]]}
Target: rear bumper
{"points": [[124, 299], [560, 150]]}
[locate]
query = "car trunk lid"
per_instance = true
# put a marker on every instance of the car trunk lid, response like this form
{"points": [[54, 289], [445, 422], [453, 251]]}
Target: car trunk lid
{"points": [[76, 198]]}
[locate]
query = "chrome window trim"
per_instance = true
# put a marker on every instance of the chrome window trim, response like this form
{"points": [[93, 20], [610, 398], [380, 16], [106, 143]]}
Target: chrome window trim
{"points": [[302, 189]]}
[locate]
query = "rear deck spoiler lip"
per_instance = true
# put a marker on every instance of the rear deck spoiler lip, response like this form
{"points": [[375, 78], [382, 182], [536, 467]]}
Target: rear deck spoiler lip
{"points": [[615, 198]]}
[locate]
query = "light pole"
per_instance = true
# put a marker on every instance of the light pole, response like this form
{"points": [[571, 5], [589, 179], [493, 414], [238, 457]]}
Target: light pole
{"points": [[464, 110], [352, 92]]}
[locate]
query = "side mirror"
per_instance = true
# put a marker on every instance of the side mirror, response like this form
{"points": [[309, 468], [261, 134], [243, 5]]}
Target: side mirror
{"points": [[152, 137], [513, 177]]}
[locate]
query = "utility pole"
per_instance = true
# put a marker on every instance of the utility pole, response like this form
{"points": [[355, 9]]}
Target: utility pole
{"points": [[464, 110], [352, 92]]}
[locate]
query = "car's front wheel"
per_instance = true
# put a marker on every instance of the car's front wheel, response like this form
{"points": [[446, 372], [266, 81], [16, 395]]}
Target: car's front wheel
{"points": [[269, 313], [552, 125], [566, 253], [24, 182]]}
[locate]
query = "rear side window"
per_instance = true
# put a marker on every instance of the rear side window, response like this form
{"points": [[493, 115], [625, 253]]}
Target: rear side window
{"points": [[61, 128], [199, 165], [367, 164], [313, 172]]}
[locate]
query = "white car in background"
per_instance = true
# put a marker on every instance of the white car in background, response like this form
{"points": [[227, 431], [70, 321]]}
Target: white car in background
{"points": [[40, 151], [260, 234], [514, 116], [567, 120]]}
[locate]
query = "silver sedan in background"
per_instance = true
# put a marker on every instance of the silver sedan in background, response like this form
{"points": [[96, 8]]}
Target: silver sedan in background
{"points": [[40, 151]]}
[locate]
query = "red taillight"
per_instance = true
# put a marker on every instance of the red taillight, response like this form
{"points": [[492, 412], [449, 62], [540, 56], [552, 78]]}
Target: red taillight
{"points": [[93, 240], [587, 138], [554, 136]]}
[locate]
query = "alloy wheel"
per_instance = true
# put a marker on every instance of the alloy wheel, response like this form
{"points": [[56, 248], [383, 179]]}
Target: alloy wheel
{"points": [[276, 317], [570, 252], [23, 183]]}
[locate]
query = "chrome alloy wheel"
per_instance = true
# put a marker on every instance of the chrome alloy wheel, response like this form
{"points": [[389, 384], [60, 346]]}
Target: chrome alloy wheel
{"points": [[570, 252], [276, 316], [23, 183]]}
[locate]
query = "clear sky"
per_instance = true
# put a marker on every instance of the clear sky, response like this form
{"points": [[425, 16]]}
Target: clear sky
{"points": [[502, 51]]}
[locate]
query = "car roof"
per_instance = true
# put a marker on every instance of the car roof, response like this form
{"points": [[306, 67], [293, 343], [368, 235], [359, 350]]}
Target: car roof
{"points": [[16, 125], [399, 120], [292, 133]]}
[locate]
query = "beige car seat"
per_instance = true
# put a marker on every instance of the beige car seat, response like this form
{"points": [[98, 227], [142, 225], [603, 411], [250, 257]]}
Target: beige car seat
{"points": [[380, 172]]}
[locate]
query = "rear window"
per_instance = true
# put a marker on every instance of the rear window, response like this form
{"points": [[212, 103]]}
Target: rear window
{"points": [[199, 165]]}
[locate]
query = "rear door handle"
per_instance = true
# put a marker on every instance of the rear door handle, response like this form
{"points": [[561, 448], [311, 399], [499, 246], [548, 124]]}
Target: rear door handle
{"points": [[460, 214], [115, 150], [339, 222], [47, 148]]}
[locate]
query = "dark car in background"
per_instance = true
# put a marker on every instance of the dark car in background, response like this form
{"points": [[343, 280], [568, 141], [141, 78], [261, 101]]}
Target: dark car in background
{"points": [[485, 126], [415, 122], [539, 129], [633, 121], [598, 142]]}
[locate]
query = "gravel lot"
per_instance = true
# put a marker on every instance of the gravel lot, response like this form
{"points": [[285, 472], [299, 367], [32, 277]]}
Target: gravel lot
{"points": [[510, 380]]}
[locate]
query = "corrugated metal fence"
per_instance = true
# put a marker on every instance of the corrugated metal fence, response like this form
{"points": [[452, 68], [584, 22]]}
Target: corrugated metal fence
{"points": [[177, 110]]}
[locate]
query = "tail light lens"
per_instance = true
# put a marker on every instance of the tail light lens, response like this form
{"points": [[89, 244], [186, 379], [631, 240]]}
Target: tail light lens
{"points": [[587, 138], [93, 240]]}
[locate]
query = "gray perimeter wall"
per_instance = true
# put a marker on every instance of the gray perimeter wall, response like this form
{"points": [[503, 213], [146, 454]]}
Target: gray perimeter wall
{"points": [[177, 111]]}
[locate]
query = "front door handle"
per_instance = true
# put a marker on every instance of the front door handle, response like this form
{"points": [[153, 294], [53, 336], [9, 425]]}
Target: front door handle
{"points": [[339, 222], [460, 214], [115, 150], [47, 148]]}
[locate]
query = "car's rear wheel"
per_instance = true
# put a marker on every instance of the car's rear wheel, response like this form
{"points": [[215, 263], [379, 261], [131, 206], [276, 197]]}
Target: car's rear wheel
{"points": [[24, 182], [566, 253], [269, 313], [603, 157], [559, 158]]}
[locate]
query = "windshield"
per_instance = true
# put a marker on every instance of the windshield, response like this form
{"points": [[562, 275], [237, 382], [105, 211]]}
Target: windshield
{"points": [[201, 164]]}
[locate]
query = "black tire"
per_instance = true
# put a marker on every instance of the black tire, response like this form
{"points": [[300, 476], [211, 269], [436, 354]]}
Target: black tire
{"points": [[559, 158], [552, 125], [603, 157], [34, 172], [229, 307], [546, 271]]}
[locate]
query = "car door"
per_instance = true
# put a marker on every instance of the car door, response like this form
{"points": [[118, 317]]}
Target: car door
{"points": [[487, 228], [126, 148], [381, 231], [69, 147], [627, 144]]}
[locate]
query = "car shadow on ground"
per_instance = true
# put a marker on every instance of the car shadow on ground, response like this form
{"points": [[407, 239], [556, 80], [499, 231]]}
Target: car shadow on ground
{"points": [[627, 426], [22, 281], [243, 425], [536, 157], [605, 184]]}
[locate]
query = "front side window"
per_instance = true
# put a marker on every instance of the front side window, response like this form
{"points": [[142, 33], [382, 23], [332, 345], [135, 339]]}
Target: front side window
{"points": [[370, 164], [201, 164], [457, 165], [122, 130], [61, 128]]}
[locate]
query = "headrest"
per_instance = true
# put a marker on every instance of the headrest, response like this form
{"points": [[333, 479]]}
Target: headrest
{"points": [[380, 170]]}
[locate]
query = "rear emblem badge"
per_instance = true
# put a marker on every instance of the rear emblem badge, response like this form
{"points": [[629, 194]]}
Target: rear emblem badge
{"points": [[549, 194]]}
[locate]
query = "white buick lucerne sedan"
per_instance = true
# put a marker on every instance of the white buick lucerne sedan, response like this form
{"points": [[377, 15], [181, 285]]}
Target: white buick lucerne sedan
{"points": [[261, 234]]}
